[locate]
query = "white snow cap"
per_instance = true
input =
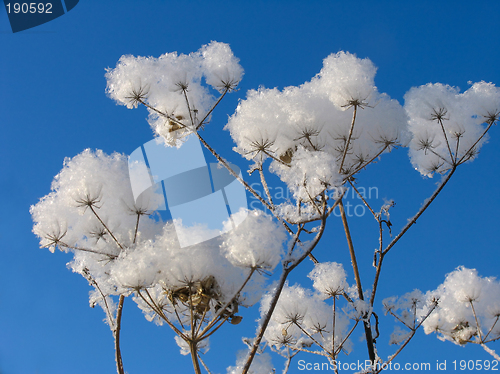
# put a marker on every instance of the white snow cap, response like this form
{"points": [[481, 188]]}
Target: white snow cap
{"points": [[329, 278], [296, 307], [164, 82], [468, 307], [304, 129], [256, 242], [434, 107]]}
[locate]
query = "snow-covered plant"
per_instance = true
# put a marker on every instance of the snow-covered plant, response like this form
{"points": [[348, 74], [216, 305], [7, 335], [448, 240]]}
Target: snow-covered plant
{"points": [[316, 138]]}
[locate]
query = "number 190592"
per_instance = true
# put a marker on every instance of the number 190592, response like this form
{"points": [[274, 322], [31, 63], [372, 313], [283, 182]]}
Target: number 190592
{"points": [[29, 7], [475, 365]]}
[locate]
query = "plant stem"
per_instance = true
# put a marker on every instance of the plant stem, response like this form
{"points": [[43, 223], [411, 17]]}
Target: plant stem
{"points": [[118, 355], [346, 148], [422, 210], [366, 323], [194, 356], [277, 293]]}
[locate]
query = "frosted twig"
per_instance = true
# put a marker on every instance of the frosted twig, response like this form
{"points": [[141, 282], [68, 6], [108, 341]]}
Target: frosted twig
{"points": [[93, 282], [491, 352], [111, 256], [266, 188], [310, 351], [184, 91], [440, 120], [166, 115]]}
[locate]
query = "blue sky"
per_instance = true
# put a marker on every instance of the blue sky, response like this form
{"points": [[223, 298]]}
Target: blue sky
{"points": [[53, 105]]}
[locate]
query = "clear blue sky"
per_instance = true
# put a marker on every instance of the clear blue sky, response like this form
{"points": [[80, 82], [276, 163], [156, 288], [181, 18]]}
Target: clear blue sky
{"points": [[53, 105]]}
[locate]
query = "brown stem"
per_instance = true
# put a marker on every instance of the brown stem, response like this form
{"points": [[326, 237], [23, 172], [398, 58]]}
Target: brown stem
{"points": [[366, 323], [226, 90], [367, 163], [193, 348], [413, 331], [333, 328], [136, 227], [447, 142], [106, 227], [224, 307], [463, 159], [346, 147], [61, 244], [277, 293], [118, 355], [422, 210]]}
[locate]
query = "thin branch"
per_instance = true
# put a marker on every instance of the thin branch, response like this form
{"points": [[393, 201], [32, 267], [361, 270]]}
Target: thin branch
{"points": [[368, 331], [346, 147], [346, 337], [224, 307], [247, 186], [477, 321], [309, 351], [492, 327], [287, 268], [136, 227], [62, 244], [440, 120], [475, 143], [160, 313], [333, 328], [204, 365], [184, 91], [421, 211], [491, 352], [118, 355], [233, 173], [226, 90], [310, 337], [366, 164], [264, 184], [106, 227], [362, 199], [413, 331]]}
